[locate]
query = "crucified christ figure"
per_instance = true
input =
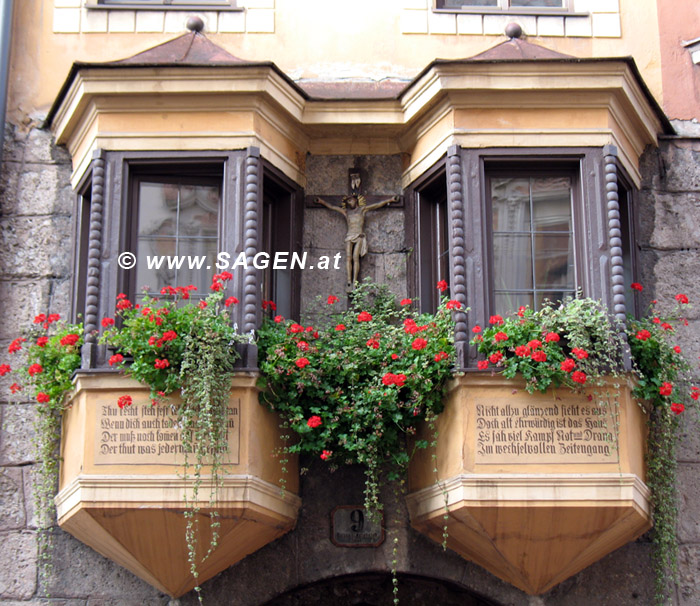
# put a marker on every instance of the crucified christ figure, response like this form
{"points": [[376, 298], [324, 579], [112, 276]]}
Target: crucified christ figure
{"points": [[354, 210]]}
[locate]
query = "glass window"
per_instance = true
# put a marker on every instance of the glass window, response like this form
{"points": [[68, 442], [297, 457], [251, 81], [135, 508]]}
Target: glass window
{"points": [[502, 4], [165, 4], [532, 240]]}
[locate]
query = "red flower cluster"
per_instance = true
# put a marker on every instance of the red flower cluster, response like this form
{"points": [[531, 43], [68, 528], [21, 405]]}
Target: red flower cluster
{"points": [[16, 345], [107, 322], [332, 299], [301, 362], [482, 364], [677, 407], [42, 397], [552, 337], [666, 389], [230, 301], [682, 299], [496, 357], [581, 354], [35, 369], [4, 369], [314, 421], [116, 359], [364, 316], [271, 305], [442, 286], [326, 454], [406, 301], [419, 343], [453, 304], [643, 334], [496, 320], [392, 379], [70, 339], [568, 365], [579, 377], [500, 336], [161, 364], [373, 343], [442, 355], [124, 401], [340, 327], [42, 341], [636, 286]]}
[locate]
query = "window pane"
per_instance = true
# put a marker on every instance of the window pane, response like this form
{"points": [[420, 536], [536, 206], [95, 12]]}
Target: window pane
{"points": [[551, 204], [554, 261], [512, 262], [465, 3], [179, 221], [537, 3], [507, 302], [510, 205]]}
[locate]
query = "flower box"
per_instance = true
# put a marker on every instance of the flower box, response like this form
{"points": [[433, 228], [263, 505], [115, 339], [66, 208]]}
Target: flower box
{"points": [[537, 487], [123, 488]]}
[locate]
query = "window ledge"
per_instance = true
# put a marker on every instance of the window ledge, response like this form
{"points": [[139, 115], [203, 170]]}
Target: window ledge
{"points": [[538, 12], [164, 7]]}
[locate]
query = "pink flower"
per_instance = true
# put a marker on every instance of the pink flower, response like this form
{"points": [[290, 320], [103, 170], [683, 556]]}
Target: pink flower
{"points": [[482, 364], [116, 359], [677, 407], [124, 401], [364, 316], [442, 286], [332, 299], [579, 377], [406, 301], [314, 421], [42, 397], [301, 362], [419, 343]]}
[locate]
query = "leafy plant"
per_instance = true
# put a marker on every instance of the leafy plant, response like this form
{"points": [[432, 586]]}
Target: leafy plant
{"points": [[52, 356], [354, 389], [173, 344]]}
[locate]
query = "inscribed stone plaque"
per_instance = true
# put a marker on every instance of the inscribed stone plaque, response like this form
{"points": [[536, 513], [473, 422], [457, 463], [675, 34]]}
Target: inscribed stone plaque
{"points": [[352, 527], [572, 431], [149, 435]]}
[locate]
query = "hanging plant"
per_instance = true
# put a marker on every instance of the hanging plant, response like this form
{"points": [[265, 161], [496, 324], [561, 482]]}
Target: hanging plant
{"points": [[354, 389], [173, 344], [52, 356]]}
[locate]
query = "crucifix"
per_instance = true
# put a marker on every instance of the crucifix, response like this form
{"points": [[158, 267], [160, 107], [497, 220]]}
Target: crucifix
{"points": [[354, 208]]}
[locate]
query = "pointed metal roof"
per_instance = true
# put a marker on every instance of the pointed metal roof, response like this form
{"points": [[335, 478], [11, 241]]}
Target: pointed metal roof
{"points": [[192, 48], [515, 49]]}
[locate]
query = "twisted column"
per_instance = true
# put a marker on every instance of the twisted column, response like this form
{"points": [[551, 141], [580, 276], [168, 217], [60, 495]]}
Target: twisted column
{"points": [[458, 288], [619, 307], [250, 239]]}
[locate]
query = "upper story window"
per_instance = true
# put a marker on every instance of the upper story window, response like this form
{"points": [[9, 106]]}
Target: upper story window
{"points": [[532, 239], [502, 5], [167, 4]]}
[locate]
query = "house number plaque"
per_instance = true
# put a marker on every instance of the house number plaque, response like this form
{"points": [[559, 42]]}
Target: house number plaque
{"points": [[556, 431], [149, 435], [352, 527]]}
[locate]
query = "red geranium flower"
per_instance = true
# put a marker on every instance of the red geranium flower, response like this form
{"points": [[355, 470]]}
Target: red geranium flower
{"points": [[496, 357], [476, 329], [226, 275], [453, 304], [677, 349], [70, 339], [269, 305], [677, 407], [14, 388], [636, 286], [500, 336], [106, 322], [124, 401], [539, 356], [442, 286], [314, 421], [643, 334], [568, 365], [42, 341], [326, 454], [373, 343], [279, 319], [123, 304], [579, 377], [534, 344], [552, 337], [301, 362], [332, 299], [16, 346], [230, 301], [364, 316], [169, 335], [581, 354], [35, 369], [497, 320], [42, 397], [442, 355], [160, 364], [666, 326], [40, 319], [482, 364], [406, 301], [521, 311], [666, 388], [522, 351], [116, 359], [53, 318], [419, 343], [303, 345], [340, 327], [4, 369], [682, 299]]}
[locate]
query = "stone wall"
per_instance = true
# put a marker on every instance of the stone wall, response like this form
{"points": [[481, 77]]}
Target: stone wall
{"points": [[304, 567]]}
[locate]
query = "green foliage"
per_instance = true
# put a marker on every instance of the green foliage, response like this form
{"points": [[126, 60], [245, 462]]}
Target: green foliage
{"points": [[354, 389], [572, 344]]}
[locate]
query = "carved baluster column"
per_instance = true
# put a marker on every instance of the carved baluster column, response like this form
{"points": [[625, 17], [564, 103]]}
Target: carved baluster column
{"points": [[619, 307], [458, 289], [94, 244]]}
